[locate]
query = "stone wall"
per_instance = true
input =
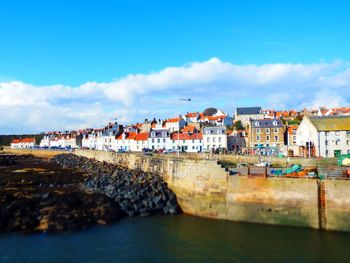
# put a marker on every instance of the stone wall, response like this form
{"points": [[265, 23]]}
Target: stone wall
{"points": [[205, 189], [337, 205]]}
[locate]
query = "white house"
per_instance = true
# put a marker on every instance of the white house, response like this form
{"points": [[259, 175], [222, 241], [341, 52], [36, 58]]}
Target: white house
{"points": [[125, 141], [192, 117], [214, 138], [324, 136], [159, 139], [187, 142], [140, 142], [22, 143], [219, 120], [174, 124]]}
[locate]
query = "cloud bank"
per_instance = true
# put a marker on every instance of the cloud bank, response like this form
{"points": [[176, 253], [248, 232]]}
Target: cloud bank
{"points": [[28, 108]]}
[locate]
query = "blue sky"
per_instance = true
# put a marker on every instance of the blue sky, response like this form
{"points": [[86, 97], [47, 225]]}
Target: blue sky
{"points": [[71, 43]]}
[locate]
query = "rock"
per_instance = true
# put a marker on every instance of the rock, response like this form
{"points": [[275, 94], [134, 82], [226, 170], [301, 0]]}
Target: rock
{"points": [[137, 192]]}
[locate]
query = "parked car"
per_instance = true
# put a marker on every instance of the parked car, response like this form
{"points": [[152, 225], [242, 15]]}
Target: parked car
{"points": [[147, 150], [121, 151]]}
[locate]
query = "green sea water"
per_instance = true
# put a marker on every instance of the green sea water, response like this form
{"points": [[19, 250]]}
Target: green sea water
{"points": [[167, 239]]}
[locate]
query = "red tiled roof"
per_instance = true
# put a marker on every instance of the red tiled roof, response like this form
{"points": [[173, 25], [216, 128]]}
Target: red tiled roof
{"points": [[130, 135], [174, 119], [24, 140], [292, 128], [191, 114], [143, 136], [213, 118], [189, 129], [186, 136]]}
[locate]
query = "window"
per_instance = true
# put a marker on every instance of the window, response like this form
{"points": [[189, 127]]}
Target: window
{"points": [[192, 141], [219, 139], [163, 140], [158, 140], [267, 137], [257, 131], [192, 147], [348, 151], [173, 141], [152, 140], [276, 130], [258, 137], [337, 142], [213, 139], [347, 142], [276, 138], [347, 133], [337, 133], [267, 130], [183, 141], [326, 142], [326, 133], [208, 139]]}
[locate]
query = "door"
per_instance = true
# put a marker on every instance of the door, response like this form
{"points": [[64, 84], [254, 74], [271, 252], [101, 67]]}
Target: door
{"points": [[337, 153]]}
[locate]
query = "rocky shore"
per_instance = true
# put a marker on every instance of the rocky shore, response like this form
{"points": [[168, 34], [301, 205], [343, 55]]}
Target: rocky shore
{"points": [[71, 193], [136, 192], [39, 196]]}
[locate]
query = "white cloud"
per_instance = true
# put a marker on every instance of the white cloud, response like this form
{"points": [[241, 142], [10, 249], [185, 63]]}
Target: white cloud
{"points": [[28, 108]]}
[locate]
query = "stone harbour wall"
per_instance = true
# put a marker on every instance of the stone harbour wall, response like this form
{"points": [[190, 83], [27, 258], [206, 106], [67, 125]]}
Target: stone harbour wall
{"points": [[205, 189]]}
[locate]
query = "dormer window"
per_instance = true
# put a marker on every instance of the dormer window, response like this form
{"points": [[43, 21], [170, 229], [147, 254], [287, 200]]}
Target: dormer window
{"points": [[153, 134], [257, 123], [164, 134], [275, 123]]}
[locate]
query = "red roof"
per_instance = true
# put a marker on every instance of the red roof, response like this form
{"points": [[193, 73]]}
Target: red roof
{"points": [[128, 136], [282, 113], [189, 129], [186, 136], [143, 136], [191, 114], [213, 118], [292, 128], [174, 119], [24, 140]]}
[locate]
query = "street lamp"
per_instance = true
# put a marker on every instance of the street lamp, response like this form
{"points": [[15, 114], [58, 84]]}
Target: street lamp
{"points": [[178, 124]]}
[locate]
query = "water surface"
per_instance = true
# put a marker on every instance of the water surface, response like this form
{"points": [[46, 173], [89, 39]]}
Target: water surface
{"points": [[178, 239]]}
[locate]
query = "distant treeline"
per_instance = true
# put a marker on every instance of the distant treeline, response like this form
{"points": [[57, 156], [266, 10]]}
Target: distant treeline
{"points": [[5, 140]]}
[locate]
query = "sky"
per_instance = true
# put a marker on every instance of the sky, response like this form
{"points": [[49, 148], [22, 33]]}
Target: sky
{"points": [[72, 64]]}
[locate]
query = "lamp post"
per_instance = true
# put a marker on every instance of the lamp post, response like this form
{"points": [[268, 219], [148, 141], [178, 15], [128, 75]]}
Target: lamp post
{"points": [[178, 124]]}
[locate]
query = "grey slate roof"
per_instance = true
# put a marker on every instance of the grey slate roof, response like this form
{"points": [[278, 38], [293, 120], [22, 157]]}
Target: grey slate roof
{"points": [[273, 123], [214, 130], [249, 110], [161, 133]]}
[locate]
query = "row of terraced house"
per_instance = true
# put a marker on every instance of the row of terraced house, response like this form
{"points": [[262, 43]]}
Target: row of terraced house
{"points": [[250, 130]]}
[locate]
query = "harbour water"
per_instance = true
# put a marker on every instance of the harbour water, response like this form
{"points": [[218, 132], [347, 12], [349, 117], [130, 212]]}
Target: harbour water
{"points": [[178, 239]]}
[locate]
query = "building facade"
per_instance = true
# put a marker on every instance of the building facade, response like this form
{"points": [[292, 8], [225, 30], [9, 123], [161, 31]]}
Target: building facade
{"points": [[214, 138], [324, 136]]}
